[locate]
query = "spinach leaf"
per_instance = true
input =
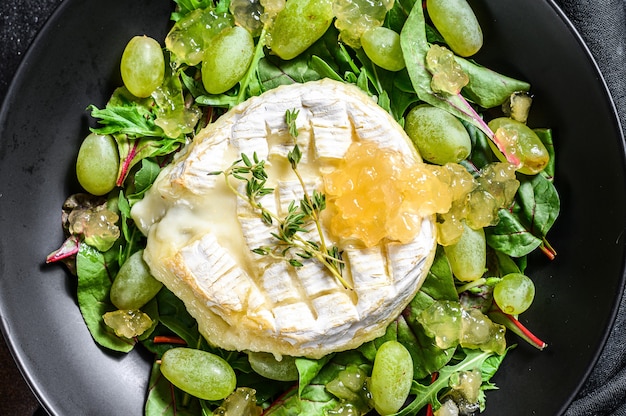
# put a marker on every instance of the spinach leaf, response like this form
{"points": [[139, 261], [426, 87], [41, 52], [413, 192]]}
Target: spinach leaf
{"points": [[540, 203], [486, 87], [545, 135], [95, 271]]}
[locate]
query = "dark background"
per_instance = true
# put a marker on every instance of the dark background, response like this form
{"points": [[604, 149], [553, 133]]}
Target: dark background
{"points": [[602, 25]]}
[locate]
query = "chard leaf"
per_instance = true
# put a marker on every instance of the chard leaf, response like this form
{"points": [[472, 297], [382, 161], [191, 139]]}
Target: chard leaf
{"points": [[166, 400], [133, 150], [486, 87], [174, 315], [95, 273], [510, 236]]}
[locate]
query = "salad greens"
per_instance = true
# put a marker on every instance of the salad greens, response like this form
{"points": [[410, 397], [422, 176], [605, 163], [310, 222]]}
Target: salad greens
{"points": [[148, 131]]}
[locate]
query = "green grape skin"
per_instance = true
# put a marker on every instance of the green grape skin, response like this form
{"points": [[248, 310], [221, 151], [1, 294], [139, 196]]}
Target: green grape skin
{"points": [[298, 26], [392, 375], [226, 59], [142, 66], [468, 256], [134, 286], [200, 373], [266, 365], [438, 135], [514, 293], [382, 46], [97, 164], [456, 22], [521, 141]]}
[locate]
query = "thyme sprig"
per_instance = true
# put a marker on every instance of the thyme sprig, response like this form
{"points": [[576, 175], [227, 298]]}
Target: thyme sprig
{"points": [[291, 245]]}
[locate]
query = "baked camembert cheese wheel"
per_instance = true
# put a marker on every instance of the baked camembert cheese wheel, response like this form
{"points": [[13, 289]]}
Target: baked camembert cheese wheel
{"points": [[201, 235]]}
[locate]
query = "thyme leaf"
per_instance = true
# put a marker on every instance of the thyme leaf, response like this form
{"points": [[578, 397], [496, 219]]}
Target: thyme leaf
{"points": [[290, 245]]}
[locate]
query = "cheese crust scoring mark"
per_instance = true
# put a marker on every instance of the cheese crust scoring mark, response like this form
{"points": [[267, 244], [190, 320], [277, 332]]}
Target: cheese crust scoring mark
{"points": [[200, 235]]}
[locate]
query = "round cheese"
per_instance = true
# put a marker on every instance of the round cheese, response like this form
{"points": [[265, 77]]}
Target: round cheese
{"points": [[201, 235]]}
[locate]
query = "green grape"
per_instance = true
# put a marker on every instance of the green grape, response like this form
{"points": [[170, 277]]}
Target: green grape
{"points": [[457, 23], [142, 66], [514, 293], [439, 136], [392, 375], [468, 256], [520, 141], [298, 26], [266, 365], [382, 46], [97, 164], [199, 373], [227, 59], [134, 286]]}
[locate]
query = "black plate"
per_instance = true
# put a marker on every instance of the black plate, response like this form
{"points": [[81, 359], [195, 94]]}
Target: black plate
{"points": [[74, 62]]}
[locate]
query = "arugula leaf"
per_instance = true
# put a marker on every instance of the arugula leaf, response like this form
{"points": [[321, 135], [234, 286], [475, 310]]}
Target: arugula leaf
{"points": [[131, 119], [187, 6], [429, 394], [95, 271]]}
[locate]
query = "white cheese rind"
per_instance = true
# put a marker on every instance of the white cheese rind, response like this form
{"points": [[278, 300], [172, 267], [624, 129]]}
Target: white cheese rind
{"points": [[201, 236]]}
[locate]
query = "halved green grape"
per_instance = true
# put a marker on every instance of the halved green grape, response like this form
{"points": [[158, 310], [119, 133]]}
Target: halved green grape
{"points": [[199, 373], [520, 141], [458, 25], [142, 66], [266, 365], [298, 26], [97, 164], [392, 375], [468, 255], [514, 293], [134, 286], [382, 46], [227, 59], [439, 136]]}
